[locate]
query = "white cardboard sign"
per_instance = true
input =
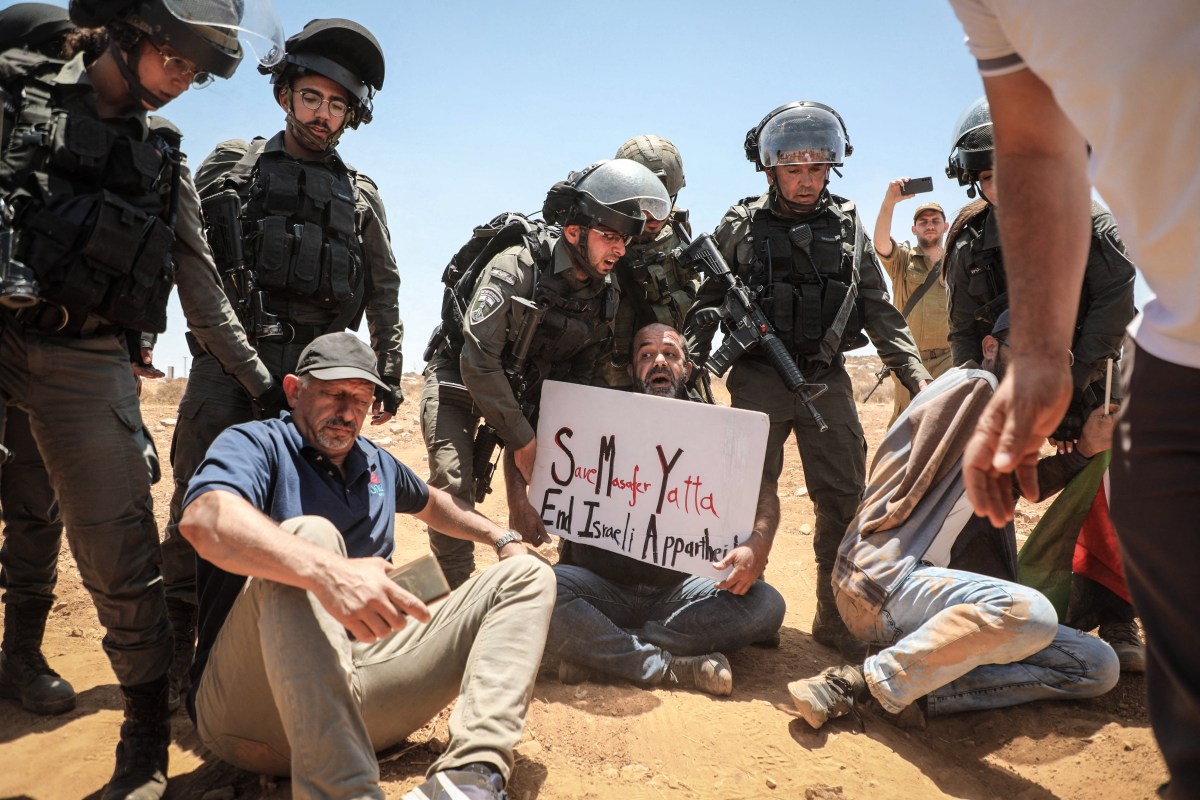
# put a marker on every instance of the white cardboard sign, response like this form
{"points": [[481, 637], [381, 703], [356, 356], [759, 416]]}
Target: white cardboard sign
{"points": [[660, 480]]}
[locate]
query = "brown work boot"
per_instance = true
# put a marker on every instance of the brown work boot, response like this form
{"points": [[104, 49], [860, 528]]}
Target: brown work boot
{"points": [[709, 673], [141, 771], [829, 695], [1124, 639], [24, 674]]}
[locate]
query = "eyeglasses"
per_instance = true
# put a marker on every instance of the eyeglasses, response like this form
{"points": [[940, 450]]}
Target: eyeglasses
{"points": [[612, 238], [313, 102], [177, 67]]}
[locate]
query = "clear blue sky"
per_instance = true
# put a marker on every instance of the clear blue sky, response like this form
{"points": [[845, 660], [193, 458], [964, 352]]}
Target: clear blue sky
{"points": [[485, 105]]}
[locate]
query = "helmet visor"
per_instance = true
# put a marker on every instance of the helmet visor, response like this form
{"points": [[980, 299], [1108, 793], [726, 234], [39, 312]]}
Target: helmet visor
{"points": [[805, 135], [254, 22]]}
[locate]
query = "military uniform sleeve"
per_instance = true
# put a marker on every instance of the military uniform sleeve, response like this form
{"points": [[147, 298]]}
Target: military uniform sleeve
{"points": [[220, 161], [896, 263], [960, 310], [209, 316], [886, 326], [382, 282], [1108, 296], [489, 319]]}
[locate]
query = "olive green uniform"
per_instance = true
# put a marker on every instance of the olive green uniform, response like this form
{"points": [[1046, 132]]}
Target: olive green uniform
{"points": [[977, 290], [463, 384], [909, 269], [78, 389], [800, 309], [655, 287], [214, 402]]}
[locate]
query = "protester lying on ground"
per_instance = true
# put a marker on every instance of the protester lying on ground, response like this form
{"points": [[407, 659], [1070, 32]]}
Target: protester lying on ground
{"points": [[934, 585], [311, 665]]}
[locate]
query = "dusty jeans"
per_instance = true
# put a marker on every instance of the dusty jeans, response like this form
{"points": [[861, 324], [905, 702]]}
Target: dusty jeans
{"points": [[286, 691], [967, 642]]}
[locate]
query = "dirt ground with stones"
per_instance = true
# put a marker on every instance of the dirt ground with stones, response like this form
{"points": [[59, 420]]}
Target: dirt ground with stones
{"points": [[605, 741]]}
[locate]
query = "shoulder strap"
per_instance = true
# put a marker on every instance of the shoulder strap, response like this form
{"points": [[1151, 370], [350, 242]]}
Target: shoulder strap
{"points": [[921, 291]]}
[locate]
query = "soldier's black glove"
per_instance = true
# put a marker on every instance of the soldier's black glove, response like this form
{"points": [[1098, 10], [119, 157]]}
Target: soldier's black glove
{"points": [[707, 319], [268, 404], [1071, 427], [392, 397]]}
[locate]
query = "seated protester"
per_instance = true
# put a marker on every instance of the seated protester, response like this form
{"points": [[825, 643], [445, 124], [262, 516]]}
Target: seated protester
{"points": [[307, 661], [644, 623], [933, 584]]}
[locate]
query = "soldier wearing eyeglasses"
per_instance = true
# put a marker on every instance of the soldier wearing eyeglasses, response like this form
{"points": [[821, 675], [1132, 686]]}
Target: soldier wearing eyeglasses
{"points": [[302, 243]]}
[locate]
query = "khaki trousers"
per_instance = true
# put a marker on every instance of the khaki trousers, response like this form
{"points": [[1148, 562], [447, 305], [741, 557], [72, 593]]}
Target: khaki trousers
{"points": [[285, 690]]}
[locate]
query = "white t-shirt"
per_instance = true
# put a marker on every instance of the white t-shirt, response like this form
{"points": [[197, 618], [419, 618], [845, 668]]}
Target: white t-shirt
{"points": [[1128, 76]]}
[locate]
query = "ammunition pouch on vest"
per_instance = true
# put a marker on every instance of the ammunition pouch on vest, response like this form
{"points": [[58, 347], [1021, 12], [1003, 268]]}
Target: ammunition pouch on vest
{"points": [[301, 238], [92, 207], [572, 322], [802, 291]]}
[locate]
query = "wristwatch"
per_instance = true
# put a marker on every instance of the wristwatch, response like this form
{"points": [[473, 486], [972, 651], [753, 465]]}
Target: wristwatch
{"points": [[511, 536]]}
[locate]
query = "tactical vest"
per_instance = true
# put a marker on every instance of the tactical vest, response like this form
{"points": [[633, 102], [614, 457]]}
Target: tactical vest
{"points": [[984, 270], [654, 288], [572, 323], [92, 207], [801, 292], [299, 223]]}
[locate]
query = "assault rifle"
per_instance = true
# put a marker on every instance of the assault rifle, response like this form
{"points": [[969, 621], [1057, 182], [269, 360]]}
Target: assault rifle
{"points": [[748, 328], [487, 440], [223, 215]]}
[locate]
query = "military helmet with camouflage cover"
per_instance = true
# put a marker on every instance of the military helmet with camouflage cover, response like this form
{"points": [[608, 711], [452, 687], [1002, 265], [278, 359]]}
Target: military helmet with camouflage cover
{"points": [[658, 155]]}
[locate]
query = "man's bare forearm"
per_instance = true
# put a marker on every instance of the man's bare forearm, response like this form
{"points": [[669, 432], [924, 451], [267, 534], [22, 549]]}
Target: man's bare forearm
{"points": [[446, 513], [1044, 212], [766, 515]]}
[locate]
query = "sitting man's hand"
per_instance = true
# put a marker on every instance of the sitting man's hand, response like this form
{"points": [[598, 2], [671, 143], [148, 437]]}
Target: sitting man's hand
{"points": [[358, 593], [747, 562], [524, 519]]}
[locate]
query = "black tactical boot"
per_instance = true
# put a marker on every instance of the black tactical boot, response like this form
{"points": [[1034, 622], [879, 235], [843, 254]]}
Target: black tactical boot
{"points": [[141, 772], [24, 673], [182, 615], [828, 629]]}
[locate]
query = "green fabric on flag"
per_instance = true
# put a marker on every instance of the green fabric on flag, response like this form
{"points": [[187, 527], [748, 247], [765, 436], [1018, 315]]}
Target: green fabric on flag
{"points": [[1044, 562]]}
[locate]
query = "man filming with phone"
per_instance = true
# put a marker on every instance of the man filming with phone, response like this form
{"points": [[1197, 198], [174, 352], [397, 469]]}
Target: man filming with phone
{"points": [[307, 662], [918, 289]]}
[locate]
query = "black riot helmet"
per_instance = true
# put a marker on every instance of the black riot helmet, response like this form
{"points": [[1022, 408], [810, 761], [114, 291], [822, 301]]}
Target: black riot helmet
{"points": [[342, 51], [972, 149], [617, 194], [205, 32], [35, 26], [803, 132]]}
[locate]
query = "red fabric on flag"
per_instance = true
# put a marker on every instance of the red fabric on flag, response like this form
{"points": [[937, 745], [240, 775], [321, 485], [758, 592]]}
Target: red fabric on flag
{"points": [[1097, 555]]}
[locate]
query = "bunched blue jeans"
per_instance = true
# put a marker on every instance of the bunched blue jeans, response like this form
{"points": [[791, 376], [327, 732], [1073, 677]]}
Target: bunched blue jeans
{"points": [[632, 632], [968, 642]]}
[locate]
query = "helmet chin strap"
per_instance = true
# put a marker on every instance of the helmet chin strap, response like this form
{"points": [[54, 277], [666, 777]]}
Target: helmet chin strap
{"points": [[794, 209], [127, 63], [579, 253], [304, 135]]}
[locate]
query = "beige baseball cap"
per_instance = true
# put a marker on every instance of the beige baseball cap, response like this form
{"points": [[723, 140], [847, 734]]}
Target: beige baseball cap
{"points": [[928, 207]]}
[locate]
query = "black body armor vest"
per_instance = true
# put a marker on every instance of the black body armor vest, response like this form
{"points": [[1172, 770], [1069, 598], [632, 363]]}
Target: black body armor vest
{"points": [[801, 290], [572, 323], [301, 240], [92, 206]]}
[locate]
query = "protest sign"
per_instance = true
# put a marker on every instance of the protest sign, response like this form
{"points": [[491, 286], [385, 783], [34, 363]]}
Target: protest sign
{"points": [[665, 481]]}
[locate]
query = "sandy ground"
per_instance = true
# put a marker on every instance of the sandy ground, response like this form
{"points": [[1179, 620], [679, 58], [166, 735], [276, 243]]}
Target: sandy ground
{"points": [[606, 741]]}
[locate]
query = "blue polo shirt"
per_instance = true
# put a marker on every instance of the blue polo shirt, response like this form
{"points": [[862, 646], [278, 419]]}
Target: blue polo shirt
{"points": [[271, 466]]}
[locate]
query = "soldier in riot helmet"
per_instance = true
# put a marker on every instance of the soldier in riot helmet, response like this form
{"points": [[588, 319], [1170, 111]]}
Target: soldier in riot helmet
{"points": [[101, 219], [803, 252], [977, 289], [565, 270], [315, 257], [654, 286]]}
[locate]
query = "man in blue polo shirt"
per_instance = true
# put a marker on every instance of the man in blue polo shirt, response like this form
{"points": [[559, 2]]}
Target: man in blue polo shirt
{"points": [[305, 664]]}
